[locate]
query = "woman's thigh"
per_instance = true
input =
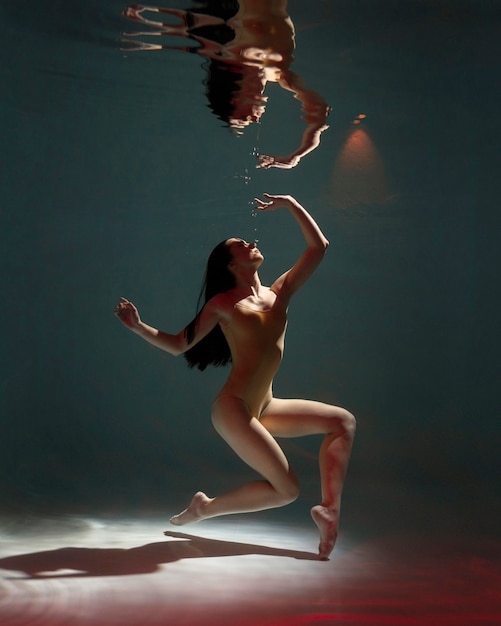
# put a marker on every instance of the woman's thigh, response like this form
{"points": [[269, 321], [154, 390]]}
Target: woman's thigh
{"points": [[251, 441], [295, 418]]}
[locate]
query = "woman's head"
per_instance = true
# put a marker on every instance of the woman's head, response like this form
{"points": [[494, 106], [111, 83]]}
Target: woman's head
{"points": [[244, 256], [225, 261]]}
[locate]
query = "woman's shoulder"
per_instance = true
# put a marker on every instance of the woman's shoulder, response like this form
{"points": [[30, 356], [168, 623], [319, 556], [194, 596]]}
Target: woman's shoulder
{"points": [[222, 304]]}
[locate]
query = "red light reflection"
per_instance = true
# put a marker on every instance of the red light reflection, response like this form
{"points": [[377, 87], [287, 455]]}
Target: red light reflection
{"points": [[358, 177]]}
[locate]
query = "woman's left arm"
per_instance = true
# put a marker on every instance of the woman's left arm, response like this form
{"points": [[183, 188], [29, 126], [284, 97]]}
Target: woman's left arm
{"points": [[316, 245]]}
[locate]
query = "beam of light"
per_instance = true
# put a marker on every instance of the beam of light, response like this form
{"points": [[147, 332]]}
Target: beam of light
{"points": [[83, 571], [358, 176], [250, 571]]}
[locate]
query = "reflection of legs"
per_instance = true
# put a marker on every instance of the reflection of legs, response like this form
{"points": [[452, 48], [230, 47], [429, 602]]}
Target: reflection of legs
{"points": [[188, 22], [188, 19], [295, 418], [254, 445]]}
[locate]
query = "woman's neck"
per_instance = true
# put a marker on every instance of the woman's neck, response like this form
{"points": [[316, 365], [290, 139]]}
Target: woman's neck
{"points": [[249, 282]]}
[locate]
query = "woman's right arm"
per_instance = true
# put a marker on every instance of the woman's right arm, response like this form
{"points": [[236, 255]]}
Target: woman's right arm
{"points": [[316, 245], [128, 314]]}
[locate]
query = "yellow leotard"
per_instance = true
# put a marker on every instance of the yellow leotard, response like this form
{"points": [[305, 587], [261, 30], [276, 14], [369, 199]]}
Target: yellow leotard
{"points": [[256, 341]]}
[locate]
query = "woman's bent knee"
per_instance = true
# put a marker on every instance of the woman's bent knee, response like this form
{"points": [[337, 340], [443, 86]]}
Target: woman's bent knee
{"points": [[350, 424], [291, 495]]}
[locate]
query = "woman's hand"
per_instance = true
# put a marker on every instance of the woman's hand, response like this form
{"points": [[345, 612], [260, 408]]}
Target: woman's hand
{"points": [[273, 202], [127, 314], [265, 161]]}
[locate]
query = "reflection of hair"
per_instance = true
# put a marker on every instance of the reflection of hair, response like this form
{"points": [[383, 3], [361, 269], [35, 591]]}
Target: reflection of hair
{"points": [[223, 83], [230, 86], [222, 78], [227, 80], [218, 8], [213, 349]]}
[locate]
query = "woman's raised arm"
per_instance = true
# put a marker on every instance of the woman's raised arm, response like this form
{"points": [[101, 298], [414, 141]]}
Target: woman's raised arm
{"points": [[315, 113], [128, 314], [316, 244]]}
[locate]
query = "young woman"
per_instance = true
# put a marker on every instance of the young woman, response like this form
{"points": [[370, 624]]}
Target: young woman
{"points": [[244, 322]]}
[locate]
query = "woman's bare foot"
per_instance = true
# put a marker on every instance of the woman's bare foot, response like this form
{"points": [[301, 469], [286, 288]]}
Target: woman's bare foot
{"points": [[327, 521], [194, 512]]}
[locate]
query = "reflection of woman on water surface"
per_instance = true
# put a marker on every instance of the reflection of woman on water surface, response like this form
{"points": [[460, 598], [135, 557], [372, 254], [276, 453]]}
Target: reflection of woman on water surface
{"points": [[244, 322], [248, 44]]}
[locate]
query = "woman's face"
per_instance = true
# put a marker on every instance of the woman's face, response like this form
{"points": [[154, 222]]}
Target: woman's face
{"points": [[245, 114], [248, 102], [244, 254]]}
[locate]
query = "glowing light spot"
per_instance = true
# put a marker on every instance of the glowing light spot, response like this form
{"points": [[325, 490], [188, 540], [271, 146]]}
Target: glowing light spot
{"points": [[358, 177]]}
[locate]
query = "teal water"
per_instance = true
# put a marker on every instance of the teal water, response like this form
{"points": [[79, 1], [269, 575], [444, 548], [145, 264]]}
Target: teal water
{"points": [[117, 179]]}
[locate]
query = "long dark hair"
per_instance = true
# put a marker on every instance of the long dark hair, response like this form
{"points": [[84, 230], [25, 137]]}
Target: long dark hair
{"points": [[213, 349]]}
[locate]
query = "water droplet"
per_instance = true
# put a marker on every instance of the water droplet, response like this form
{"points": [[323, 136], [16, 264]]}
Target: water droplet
{"points": [[245, 176]]}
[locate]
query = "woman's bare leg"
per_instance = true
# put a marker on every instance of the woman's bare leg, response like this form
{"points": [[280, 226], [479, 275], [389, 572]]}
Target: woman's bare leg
{"points": [[295, 418], [256, 447]]}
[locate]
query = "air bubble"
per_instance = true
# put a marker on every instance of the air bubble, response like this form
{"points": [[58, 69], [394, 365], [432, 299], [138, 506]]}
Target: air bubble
{"points": [[245, 176]]}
